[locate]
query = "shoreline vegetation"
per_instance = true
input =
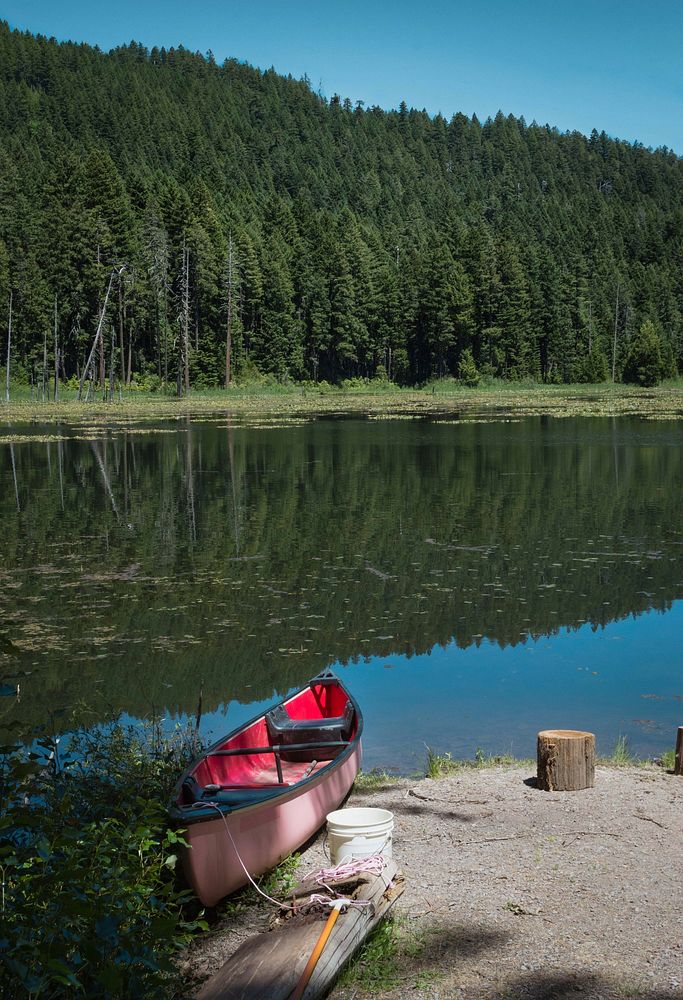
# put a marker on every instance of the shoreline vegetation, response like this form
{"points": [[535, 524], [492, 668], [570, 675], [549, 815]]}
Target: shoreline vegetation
{"points": [[90, 895], [376, 399]]}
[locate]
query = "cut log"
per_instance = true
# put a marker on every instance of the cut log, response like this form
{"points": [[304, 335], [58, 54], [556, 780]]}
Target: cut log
{"points": [[268, 966], [678, 759], [566, 760]]}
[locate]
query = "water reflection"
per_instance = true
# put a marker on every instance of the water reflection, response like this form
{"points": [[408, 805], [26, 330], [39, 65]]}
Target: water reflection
{"points": [[142, 565]]}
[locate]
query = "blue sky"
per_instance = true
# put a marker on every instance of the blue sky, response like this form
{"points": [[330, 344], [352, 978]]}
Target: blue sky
{"points": [[611, 65]]}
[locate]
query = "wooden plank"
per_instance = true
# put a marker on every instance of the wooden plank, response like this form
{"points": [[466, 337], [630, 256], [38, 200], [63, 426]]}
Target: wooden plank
{"points": [[268, 966], [353, 928]]}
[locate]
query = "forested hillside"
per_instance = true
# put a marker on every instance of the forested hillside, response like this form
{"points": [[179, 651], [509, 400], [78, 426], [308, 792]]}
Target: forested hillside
{"points": [[329, 241]]}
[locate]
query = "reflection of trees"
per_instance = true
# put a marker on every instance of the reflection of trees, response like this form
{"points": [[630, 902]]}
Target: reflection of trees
{"points": [[248, 559]]}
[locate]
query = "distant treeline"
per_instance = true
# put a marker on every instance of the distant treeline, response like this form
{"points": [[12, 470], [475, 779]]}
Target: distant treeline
{"points": [[266, 230]]}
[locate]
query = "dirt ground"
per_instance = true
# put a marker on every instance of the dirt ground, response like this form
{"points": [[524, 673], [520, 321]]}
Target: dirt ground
{"points": [[514, 892]]}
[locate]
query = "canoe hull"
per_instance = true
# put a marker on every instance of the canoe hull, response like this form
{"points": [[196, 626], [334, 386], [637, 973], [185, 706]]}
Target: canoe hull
{"points": [[262, 834]]}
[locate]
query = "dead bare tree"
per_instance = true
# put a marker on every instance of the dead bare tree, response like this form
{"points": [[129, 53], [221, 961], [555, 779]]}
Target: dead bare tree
{"points": [[56, 392], [101, 351], [9, 346], [614, 343], [186, 319], [231, 285], [44, 379], [116, 272], [121, 323], [111, 361]]}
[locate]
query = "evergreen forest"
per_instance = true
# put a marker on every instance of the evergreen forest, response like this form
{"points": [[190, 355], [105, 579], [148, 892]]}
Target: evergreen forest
{"points": [[168, 220]]}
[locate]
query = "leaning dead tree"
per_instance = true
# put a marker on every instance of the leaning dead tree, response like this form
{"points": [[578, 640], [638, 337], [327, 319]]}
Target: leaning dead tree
{"points": [[116, 272]]}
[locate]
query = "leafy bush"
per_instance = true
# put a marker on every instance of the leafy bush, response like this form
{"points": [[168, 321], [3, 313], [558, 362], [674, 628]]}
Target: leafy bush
{"points": [[593, 368], [354, 384], [89, 900], [467, 369], [147, 382], [644, 364]]}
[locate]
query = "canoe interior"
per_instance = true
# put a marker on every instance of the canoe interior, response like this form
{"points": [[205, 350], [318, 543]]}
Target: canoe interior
{"points": [[319, 701]]}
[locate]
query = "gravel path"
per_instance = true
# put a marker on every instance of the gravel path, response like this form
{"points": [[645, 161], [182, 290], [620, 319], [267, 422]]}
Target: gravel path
{"points": [[513, 892]]}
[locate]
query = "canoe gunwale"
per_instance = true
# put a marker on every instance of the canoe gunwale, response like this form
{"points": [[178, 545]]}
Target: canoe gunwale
{"points": [[193, 813]]}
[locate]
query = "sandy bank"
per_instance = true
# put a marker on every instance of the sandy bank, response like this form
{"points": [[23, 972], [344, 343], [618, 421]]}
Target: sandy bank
{"points": [[514, 892]]}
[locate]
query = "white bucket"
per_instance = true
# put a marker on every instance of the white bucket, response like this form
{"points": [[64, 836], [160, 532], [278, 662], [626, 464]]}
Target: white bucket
{"points": [[358, 833]]}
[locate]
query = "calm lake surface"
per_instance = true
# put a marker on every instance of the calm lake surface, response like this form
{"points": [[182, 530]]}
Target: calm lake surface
{"points": [[473, 582]]}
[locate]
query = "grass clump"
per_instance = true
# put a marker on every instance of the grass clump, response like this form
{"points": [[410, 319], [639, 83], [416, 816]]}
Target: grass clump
{"points": [[377, 966], [439, 765], [621, 755], [444, 764], [372, 781], [90, 901]]}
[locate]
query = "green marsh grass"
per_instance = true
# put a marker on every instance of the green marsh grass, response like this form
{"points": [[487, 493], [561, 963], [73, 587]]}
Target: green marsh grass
{"points": [[441, 765], [252, 401]]}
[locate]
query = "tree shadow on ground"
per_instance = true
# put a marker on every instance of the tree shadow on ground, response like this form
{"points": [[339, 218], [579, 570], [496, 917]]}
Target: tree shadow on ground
{"points": [[574, 985], [443, 950], [412, 809]]}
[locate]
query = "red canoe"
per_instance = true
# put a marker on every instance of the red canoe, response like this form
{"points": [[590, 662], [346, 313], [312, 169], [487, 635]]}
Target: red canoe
{"points": [[263, 790]]}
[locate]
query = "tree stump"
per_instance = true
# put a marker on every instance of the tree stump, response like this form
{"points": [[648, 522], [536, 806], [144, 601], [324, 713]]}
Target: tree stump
{"points": [[678, 759], [566, 760]]}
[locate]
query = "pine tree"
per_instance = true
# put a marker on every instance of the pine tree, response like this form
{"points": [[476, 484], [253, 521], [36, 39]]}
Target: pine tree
{"points": [[644, 357], [368, 241]]}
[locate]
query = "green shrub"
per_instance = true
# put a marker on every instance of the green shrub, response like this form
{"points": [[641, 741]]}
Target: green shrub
{"points": [[148, 382], [644, 365], [356, 384], [90, 904], [593, 368], [467, 369]]}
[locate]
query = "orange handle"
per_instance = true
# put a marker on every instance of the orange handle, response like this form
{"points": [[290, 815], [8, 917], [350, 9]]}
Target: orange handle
{"points": [[315, 954]]}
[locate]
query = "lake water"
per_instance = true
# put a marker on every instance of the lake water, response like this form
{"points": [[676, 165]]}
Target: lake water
{"points": [[473, 582]]}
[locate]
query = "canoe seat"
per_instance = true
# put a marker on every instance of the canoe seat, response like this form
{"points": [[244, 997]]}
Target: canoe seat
{"points": [[283, 730], [227, 796]]}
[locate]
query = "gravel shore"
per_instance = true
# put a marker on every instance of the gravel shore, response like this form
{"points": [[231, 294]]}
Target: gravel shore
{"points": [[513, 892]]}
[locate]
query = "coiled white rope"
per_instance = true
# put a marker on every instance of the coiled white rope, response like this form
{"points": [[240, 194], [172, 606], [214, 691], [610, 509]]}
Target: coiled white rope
{"points": [[347, 870]]}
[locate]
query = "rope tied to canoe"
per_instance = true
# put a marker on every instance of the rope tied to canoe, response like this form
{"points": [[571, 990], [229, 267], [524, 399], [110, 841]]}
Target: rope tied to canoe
{"points": [[374, 864], [346, 871]]}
